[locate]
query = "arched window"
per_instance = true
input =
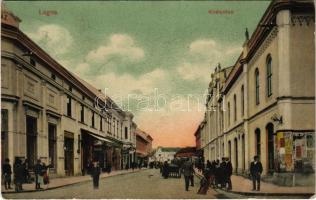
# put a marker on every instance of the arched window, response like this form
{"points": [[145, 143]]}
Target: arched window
{"points": [[258, 142], [235, 108], [228, 113], [269, 75], [242, 100], [257, 85]]}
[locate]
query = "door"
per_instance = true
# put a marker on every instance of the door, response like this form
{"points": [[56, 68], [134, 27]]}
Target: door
{"points": [[69, 156], [270, 149], [4, 134], [236, 155], [31, 140]]}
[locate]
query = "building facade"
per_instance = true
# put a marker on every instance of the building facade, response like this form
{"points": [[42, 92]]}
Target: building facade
{"points": [[48, 113], [266, 104], [163, 154], [143, 147]]}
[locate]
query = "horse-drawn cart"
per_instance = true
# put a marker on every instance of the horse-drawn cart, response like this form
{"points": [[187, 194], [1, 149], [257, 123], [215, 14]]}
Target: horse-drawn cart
{"points": [[174, 171]]}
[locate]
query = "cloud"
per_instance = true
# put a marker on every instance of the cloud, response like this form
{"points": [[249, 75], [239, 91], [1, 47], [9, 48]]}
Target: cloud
{"points": [[120, 45], [122, 85], [203, 55], [55, 38]]}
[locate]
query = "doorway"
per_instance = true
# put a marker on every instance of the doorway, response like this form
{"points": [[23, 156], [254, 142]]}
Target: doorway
{"points": [[69, 154], [31, 140], [270, 149], [236, 155]]}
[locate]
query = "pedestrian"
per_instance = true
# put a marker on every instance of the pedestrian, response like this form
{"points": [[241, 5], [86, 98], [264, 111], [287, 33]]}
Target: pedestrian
{"points": [[229, 172], [18, 174], [205, 182], [38, 176], [187, 172], [165, 170], [26, 171], [255, 171], [212, 174], [45, 172], [217, 173], [7, 172], [223, 173], [95, 173], [208, 164]]}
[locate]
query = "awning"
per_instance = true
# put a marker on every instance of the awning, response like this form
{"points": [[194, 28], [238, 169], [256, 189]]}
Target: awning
{"points": [[99, 137]]}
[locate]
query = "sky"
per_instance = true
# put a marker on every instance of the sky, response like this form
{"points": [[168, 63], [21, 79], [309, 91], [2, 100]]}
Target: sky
{"points": [[154, 58]]}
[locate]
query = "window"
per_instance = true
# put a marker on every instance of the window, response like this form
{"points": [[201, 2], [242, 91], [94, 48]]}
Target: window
{"points": [[230, 150], [68, 106], [269, 76], [101, 124], [82, 113], [92, 119], [235, 108], [228, 113], [110, 125], [257, 86], [121, 130], [126, 133], [32, 61], [242, 101], [114, 126], [258, 142], [53, 76], [52, 150], [117, 128]]}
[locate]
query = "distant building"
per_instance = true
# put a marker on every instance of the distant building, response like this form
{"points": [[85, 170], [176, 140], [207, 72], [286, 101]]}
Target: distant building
{"points": [[143, 146], [186, 152], [163, 154]]}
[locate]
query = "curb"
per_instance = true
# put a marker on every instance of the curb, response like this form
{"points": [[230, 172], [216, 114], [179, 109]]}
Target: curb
{"points": [[260, 194], [69, 184]]}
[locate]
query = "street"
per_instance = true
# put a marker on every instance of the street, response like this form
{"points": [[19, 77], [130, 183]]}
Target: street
{"points": [[144, 184]]}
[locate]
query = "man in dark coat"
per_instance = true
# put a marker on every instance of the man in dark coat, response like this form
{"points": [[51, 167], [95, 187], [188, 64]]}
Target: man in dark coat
{"points": [[229, 172], [18, 170], [188, 171], [7, 172], [165, 169], [255, 171], [223, 173], [37, 172], [95, 173]]}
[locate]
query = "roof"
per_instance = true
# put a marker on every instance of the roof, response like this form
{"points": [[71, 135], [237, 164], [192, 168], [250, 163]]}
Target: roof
{"points": [[169, 149], [143, 135]]}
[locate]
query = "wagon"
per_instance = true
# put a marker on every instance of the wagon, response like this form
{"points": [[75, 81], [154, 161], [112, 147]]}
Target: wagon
{"points": [[174, 171]]}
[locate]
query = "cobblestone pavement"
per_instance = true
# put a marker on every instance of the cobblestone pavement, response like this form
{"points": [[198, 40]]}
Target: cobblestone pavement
{"points": [[143, 184]]}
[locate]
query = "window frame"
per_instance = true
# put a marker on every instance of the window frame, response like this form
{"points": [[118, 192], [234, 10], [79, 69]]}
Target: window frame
{"points": [[269, 75]]}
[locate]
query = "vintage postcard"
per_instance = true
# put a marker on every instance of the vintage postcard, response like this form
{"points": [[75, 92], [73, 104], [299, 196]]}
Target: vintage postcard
{"points": [[157, 99]]}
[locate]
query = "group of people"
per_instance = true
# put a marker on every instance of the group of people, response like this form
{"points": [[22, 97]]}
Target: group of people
{"points": [[218, 174], [21, 174]]}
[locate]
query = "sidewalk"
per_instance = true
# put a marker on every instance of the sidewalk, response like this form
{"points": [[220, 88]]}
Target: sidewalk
{"points": [[64, 181], [243, 186]]}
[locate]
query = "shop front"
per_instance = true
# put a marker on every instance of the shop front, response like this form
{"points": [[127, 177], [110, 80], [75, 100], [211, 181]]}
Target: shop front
{"points": [[94, 148]]}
